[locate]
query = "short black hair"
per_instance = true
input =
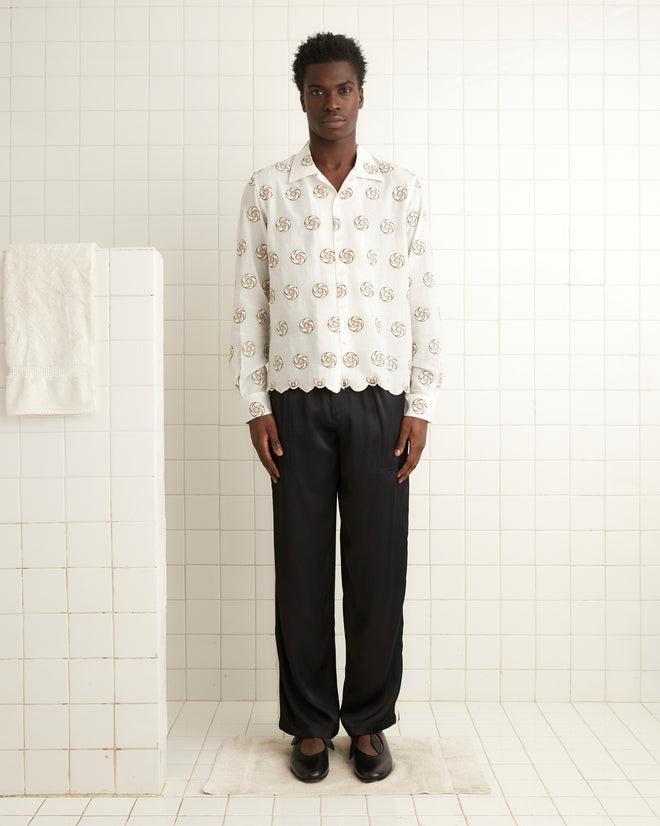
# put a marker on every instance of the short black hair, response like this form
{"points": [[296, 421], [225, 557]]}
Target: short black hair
{"points": [[326, 47]]}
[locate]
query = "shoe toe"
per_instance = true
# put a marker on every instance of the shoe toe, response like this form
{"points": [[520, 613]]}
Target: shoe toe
{"points": [[310, 768], [371, 768]]}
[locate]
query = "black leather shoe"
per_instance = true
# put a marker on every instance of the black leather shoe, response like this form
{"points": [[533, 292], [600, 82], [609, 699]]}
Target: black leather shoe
{"points": [[372, 767], [310, 768]]}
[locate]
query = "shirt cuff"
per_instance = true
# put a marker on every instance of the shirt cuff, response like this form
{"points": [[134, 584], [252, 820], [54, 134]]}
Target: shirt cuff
{"points": [[420, 406], [255, 405]]}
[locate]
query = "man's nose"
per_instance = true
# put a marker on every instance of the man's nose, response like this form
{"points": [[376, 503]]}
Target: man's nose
{"points": [[332, 101]]}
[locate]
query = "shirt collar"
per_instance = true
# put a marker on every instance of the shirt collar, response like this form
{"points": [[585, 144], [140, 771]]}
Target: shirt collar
{"points": [[366, 166]]}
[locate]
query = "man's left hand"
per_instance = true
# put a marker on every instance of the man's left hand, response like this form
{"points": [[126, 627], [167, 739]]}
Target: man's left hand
{"points": [[413, 431]]}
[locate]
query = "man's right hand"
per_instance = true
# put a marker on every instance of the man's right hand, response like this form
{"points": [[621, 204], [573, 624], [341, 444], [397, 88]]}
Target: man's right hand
{"points": [[263, 432]]}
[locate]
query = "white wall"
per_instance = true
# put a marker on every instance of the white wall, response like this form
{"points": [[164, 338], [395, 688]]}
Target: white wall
{"points": [[82, 561], [536, 513]]}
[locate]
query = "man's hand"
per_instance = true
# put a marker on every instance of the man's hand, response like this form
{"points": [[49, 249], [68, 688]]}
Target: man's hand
{"points": [[413, 430], [263, 432]]}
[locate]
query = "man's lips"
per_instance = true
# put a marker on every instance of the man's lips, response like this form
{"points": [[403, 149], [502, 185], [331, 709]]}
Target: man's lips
{"points": [[331, 121]]}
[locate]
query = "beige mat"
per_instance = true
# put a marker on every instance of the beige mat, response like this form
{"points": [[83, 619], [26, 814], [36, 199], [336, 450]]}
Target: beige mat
{"points": [[260, 765]]}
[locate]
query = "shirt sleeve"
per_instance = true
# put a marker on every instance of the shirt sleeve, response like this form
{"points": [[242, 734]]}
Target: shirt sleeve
{"points": [[248, 354], [424, 301]]}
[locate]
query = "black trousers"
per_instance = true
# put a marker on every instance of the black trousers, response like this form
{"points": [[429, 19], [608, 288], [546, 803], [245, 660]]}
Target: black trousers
{"points": [[339, 447]]}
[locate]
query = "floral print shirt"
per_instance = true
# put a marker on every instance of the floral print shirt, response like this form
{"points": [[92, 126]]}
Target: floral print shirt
{"points": [[335, 289]]}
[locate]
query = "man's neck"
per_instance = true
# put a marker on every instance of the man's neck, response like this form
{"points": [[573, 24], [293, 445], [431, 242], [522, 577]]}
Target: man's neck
{"points": [[334, 159]]}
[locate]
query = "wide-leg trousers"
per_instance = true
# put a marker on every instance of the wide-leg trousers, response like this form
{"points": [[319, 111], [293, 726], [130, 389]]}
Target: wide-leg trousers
{"points": [[339, 447]]}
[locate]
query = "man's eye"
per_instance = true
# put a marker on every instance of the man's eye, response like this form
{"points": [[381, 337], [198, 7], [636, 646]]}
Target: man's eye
{"points": [[347, 90]]}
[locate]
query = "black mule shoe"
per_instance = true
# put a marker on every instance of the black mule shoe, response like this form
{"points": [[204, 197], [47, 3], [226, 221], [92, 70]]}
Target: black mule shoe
{"points": [[310, 768], [372, 767]]}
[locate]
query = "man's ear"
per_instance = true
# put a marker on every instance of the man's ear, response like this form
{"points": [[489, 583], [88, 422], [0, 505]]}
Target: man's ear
{"points": [[361, 98], [302, 102]]}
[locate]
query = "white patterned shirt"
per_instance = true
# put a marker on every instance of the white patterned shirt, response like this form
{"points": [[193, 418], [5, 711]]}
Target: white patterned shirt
{"points": [[335, 289]]}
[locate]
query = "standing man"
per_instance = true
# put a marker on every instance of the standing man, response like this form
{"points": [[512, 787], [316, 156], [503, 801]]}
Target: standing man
{"points": [[335, 353]]}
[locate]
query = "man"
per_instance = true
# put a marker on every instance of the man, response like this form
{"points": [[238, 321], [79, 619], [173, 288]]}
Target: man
{"points": [[335, 352]]}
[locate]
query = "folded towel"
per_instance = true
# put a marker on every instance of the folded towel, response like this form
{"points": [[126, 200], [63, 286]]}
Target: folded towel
{"points": [[49, 314]]}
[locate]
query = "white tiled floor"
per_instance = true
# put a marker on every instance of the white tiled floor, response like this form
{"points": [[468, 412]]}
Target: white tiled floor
{"points": [[579, 764]]}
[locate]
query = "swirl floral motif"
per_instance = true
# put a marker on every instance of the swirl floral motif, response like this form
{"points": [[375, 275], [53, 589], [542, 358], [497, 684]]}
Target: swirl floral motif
{"points": [[306, 160], [292, 193], [241, 247], [361, 223], [291, 292], [321, 191], [278, 363], [266, 350], [253, 214], [261, 252], [386, 294], [377, 358], [425, 378], [306, 325], [261, 316], [367, 289], [319, 382], [419, 405], [372, 380], [434, 346], [378, 325], [428, 279], [398, 329], [336, 223], [319, 290], [392, 364], [386, 226], [283, 166], [256, 409], [418, 247], [271, 296], [345, 193], [399, 193], [346, 256], [355, 323], [413, 349], [258, 377], [239, 315], [327, 255], [293, 385], [351, 359], [422, 313], [384, 166], [248, 281], [372, 258], [342, 290], [333, 324], [283, 224], [412, 219], [397, 260], [265, 192], [298, 257], [273, 259], [300, 360], [249, 348], [312, 222], [372, 193], [281, 328], [370, 168], [329, 359]]}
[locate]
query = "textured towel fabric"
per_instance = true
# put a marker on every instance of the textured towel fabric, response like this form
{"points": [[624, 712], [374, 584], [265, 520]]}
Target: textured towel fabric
{"points": [[434, 765], [49, 316]]}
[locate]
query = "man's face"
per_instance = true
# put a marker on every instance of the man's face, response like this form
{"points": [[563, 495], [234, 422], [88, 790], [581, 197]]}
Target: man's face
{"points": [[331, 99]]}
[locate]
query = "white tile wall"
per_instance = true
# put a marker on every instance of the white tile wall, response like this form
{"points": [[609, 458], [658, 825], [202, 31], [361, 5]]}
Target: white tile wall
{"points": [[535, 514], [82, 558]]}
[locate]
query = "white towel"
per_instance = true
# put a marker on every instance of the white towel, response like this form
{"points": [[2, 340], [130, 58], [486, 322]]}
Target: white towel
{"points": [[50, 342]]}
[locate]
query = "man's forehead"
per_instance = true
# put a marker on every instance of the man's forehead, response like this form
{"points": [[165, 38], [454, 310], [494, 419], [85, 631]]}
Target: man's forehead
{"points": [[336, 72]]}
